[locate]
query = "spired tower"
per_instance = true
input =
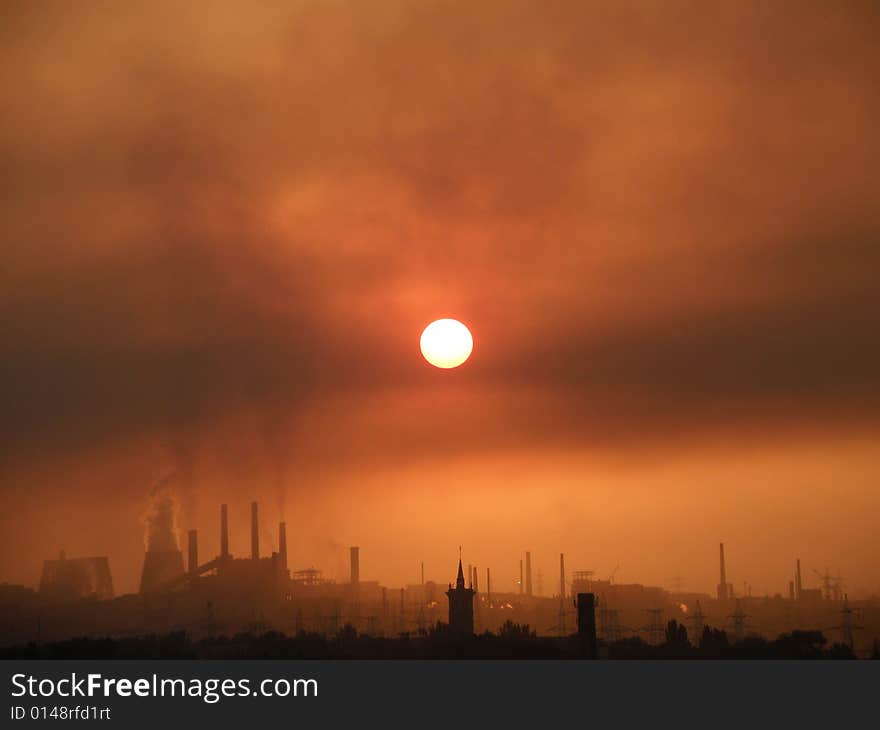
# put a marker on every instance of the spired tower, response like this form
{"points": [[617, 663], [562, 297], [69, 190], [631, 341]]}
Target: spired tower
{"points": [[461, 607]]}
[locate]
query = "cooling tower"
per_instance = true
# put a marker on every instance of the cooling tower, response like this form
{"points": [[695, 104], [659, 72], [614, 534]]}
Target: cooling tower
{"points": [[163, 561], [160, 567]]}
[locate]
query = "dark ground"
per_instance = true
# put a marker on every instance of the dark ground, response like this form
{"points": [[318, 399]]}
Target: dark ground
{"points": [[513, 641]]}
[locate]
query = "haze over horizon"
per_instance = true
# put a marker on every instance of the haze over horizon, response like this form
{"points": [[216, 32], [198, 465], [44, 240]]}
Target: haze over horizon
{"points": [[226, 228]]}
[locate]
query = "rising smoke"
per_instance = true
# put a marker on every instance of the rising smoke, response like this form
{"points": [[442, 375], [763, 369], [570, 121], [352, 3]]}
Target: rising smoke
{"points": [[161, 518]]}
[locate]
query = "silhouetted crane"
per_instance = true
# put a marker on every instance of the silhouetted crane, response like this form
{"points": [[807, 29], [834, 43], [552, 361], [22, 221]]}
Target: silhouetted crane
{"points": [[613, 573]]}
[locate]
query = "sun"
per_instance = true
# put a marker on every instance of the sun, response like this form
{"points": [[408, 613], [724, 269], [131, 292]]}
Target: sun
{"points": [[446, 343]]}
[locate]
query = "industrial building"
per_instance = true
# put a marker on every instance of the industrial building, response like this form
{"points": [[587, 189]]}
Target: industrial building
{"points": [[68, 579], [223, 594]]}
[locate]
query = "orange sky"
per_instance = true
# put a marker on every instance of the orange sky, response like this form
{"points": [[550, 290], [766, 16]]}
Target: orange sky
{"points": [[225, 227]]}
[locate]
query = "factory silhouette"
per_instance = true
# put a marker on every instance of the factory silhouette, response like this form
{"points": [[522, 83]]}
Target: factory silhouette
{"points": [[270, 609]]}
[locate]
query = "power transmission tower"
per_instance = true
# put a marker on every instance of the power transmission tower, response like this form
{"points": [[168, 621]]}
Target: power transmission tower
{"points": [[832, 587], [739, 622], [698, 622], [655, 628], [609, 622], [847, 625]]}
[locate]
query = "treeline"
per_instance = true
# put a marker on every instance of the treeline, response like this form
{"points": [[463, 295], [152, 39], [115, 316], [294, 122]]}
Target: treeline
{"points": [[513, 641], [717, 644]]}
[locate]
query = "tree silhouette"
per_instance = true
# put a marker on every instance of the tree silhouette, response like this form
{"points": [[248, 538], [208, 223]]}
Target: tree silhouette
{"points": [[676, 633]]}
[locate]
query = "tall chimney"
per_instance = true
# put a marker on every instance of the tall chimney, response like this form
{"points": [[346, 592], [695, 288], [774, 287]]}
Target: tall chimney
{"points": [[521, 584], [423, 573], [528, 574], [355, 565], [586, 608], [475, 579], [722, 586], [561, 575], [224, 532], [797, 581], [255, 532], [488, 586], [282, 544], [193, 557]]}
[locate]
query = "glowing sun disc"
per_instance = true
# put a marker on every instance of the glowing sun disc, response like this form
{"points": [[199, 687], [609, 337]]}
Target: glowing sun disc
{"points": [[446, 343]]}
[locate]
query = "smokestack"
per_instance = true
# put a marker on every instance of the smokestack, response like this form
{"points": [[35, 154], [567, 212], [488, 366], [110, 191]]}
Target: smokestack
{"points": [[282, 544], [355, 565], [255, 532], [488, 586], [528, 574], [586, 608], [193, 556], [722, 586], [474, 580], [521, 585], [561, 575], [224, 532], [797, 582]]}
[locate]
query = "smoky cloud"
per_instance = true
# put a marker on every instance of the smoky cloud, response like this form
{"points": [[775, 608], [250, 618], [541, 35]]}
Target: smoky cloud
{"points": [[245, 211], [224, 228]]}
